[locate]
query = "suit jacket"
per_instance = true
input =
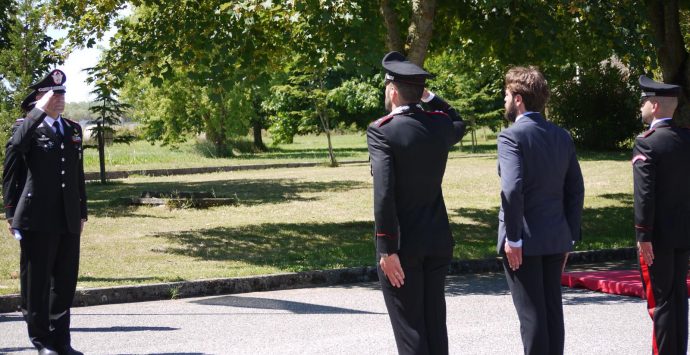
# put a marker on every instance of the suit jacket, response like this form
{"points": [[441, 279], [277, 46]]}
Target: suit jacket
{"points": [[54, 196], [661, 173], [542, 191], [408, 152], [13, 175]]}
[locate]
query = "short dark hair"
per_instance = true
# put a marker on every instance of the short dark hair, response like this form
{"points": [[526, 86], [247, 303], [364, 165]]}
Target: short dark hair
{"points": [[529, 83], [408, 92]]}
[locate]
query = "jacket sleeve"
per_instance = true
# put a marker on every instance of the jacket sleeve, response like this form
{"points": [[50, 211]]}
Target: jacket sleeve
{"points": [[644, 179], [82, 183], [385, 212], [574, 197], [459, 126], [13, 177], [512, 196], [21, 138]]}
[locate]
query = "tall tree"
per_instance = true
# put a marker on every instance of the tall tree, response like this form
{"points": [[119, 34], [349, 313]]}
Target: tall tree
{"points": [[672, 51], [26, 58], [419, 30], [107, 109]]}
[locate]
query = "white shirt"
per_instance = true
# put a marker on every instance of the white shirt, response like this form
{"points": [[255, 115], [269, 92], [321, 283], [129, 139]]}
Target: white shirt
{"points": [[657, 120], [50, 121]]}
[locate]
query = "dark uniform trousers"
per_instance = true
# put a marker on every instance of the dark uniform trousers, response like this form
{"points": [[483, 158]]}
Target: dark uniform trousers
{"points": [[47, 206], [666, 290], [417, 310], [536, 291]]}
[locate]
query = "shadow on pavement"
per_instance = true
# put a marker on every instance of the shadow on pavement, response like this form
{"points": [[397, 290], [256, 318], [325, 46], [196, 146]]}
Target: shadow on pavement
{"points": [[13, 350], [478, 284], [123, 329], [11, 318], [267, 303], [580, 297]]}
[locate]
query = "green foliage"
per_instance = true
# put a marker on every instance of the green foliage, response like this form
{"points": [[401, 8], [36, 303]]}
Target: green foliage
{"points": [[600, 107], [78, 111], [25, 57]]}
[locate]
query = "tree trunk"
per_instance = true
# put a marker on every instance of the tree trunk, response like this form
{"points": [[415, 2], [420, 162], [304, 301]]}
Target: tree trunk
{"points": [[258, 140], [420, 30], [672, 56], [394, 40], [101, 150], [327, 130]]}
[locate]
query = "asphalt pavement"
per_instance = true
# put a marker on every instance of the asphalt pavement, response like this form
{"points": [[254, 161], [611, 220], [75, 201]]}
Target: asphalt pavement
{"points": [[347, 319]]}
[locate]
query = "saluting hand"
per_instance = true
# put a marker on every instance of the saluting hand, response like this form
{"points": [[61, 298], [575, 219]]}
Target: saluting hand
{"points": [[51, 103], [390, 265]]}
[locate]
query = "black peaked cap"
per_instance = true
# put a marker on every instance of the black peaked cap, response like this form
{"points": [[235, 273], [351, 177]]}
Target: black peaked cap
{"points": [[55, 81], [399, 69], [650, 87]]}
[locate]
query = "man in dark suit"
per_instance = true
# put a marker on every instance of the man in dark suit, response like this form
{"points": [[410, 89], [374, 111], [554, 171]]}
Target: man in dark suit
{"points": [[542, 194], [408, 149], [49, 214], [661, 172]]}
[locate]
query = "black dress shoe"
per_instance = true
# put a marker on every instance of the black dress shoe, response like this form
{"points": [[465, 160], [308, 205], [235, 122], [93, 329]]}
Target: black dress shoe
{"points": [[46, 351], [68, 351]]}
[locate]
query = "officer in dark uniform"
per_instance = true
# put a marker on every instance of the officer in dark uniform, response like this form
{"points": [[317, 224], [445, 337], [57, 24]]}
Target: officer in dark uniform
{"points": [[661, 172], [408, 150], [49, 213]]}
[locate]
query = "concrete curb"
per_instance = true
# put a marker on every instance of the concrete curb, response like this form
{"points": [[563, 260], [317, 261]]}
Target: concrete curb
{"points": [[210, 169], [184, 289]]}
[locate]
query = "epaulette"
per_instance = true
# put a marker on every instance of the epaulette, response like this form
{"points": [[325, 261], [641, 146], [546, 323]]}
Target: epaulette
{"points": [[70, 121], [438, 113], [19, 120], [383, 120], [647, 134]]}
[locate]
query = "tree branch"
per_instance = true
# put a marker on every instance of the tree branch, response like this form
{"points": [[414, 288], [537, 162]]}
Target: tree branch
{"points": [[394, 40], [420, 31]]}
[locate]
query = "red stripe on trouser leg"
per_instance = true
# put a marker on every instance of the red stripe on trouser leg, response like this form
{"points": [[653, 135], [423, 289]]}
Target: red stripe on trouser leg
{"points": [[651, 302]]}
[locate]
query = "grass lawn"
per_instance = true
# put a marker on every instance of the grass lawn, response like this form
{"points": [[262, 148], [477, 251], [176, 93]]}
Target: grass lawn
{"points": [[300, 219], [143, 155]]}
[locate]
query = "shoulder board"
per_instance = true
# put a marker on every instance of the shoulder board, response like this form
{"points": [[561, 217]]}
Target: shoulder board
{"points": [[437, 113], [383, 120], [19, 120], [647, 134], [70, 121]]}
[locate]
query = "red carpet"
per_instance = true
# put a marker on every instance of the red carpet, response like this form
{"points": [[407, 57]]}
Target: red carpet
{"points": [[617, 282]]}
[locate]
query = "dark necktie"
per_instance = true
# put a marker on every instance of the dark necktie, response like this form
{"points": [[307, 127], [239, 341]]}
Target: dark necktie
{"points": [[58, 133]]}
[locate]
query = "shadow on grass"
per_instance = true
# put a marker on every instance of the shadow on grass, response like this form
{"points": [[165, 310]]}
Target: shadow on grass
{"points": [[249, 153], [291, 247], [602, 228], [107, 200], [273, 304]]}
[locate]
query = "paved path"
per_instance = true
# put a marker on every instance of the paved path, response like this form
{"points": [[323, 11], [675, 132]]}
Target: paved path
{"points": [[347, 319]]}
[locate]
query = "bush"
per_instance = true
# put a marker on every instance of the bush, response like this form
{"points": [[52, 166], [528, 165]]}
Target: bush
{"points": [[600, 108]]}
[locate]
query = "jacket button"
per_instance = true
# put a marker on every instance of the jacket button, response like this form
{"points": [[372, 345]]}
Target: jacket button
{"points": [[62, 172], [63, 159], [62, 146], [63, 184]]}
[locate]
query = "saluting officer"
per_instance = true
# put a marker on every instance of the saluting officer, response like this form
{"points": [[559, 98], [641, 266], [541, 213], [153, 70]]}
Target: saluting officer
{"points": [[661, 172], [49, 214], [408, 149]]}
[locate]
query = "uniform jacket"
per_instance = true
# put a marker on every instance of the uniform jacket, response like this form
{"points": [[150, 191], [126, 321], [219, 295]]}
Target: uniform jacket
{"points": [[13, 175], [542, 191], [54, 179], [408, 153], [661, 173]]}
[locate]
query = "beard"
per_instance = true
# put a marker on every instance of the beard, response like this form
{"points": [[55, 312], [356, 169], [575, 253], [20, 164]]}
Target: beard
{"points": [[511, 112], [387, 103]]}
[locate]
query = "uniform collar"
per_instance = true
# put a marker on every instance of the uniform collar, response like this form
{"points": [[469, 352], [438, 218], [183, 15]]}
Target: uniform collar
{"points": [[50, 121], [400, 109], [659, 120]]}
